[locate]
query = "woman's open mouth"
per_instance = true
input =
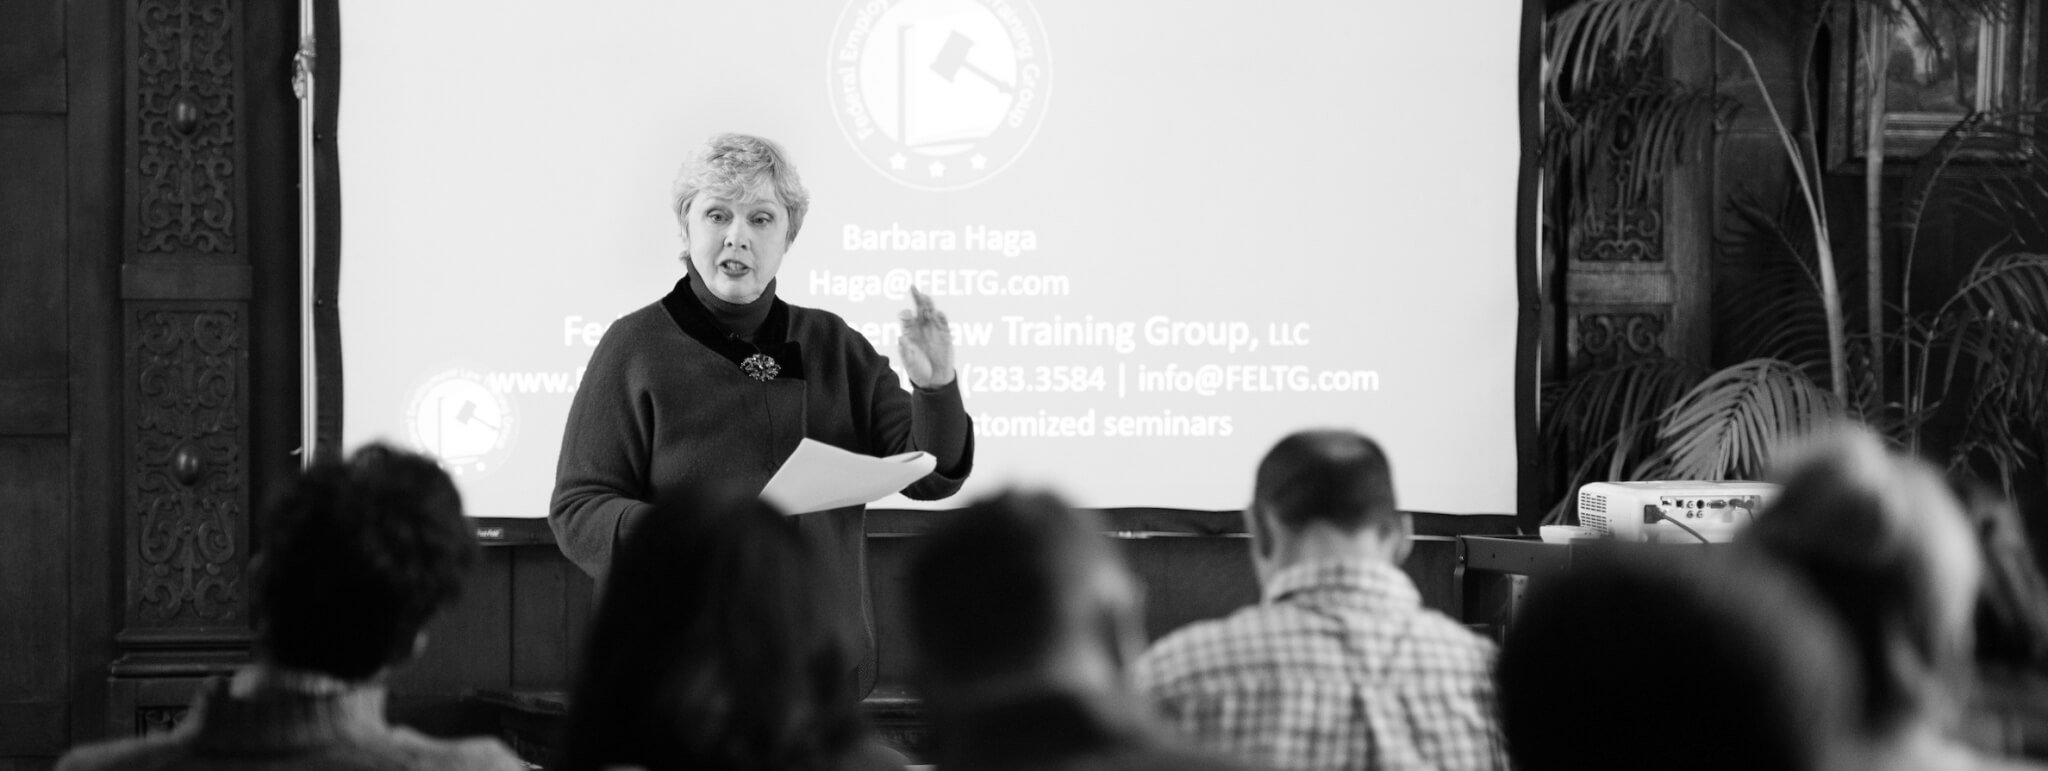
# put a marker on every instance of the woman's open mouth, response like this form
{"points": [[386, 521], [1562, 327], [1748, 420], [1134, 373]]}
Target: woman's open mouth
{"points": [[734, 268]]}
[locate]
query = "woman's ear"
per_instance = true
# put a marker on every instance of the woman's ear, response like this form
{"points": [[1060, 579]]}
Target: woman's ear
{"points": [[683, 230]]}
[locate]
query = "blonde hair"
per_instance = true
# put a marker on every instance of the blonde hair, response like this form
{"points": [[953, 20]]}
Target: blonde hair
{"points": [[736, 165], [1865, 526]]}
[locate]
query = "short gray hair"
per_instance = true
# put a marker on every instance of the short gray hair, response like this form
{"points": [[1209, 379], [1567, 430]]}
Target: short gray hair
{"points": [[732, 164]]}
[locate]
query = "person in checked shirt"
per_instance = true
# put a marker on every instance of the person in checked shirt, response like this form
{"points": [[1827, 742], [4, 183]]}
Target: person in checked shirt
{"points": [[1339, 666]]}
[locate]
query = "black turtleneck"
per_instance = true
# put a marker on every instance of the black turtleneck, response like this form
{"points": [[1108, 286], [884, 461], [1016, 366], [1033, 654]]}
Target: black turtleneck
{"points": [[743, 320]]}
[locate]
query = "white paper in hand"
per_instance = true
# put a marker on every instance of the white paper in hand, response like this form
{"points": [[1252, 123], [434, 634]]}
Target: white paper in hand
{"points": [[819, 476]]}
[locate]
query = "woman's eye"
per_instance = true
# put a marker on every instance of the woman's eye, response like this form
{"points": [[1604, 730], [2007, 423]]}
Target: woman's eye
{"points": [[762, 220], [716, 217]]}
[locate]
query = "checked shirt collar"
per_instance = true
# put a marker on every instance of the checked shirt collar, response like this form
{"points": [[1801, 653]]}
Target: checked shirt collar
{"points": [[1362, 583]]}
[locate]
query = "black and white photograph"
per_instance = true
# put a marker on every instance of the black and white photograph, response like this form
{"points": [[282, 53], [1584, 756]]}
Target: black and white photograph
{"points": [[878, 385]]}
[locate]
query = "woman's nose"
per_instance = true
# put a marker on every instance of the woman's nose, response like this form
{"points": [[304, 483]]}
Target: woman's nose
{"points": [[736, 236]]}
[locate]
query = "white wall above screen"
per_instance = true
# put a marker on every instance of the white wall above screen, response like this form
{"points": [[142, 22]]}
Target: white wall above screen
{"points": [[1169, 233]]}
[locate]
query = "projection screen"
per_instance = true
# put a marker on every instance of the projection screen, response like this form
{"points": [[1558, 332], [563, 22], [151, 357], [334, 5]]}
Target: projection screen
{"points": [[1167, 234]]}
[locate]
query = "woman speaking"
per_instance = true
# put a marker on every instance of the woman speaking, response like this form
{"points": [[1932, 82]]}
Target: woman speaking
{"points": [[718, 381]]}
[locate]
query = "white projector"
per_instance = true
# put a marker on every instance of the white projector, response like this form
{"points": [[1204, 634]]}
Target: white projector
{"points": [[1672, 511]]}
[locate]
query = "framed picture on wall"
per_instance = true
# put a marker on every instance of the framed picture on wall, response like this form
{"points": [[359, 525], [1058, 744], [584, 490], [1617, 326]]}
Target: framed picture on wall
{"points": [[1976, 65]]}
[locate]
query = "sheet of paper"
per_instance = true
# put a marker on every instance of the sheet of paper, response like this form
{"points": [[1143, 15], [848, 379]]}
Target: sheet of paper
{"points": [[819, 476]]}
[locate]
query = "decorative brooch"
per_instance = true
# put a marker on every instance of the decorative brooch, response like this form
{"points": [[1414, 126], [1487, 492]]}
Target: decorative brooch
{"points": [[760, 367]]}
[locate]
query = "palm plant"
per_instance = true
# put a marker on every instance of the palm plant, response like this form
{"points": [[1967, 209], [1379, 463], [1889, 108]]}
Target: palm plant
{"points": [[1988, 341], [1984, 351]]}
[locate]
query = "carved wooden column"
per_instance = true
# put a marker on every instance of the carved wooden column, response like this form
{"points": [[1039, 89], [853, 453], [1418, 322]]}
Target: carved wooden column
{"points": [[185, 289], [1637, 278], [1618, 286]]}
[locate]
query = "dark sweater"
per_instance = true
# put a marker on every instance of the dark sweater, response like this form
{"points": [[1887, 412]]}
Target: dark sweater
{"points": [[664, 405]]}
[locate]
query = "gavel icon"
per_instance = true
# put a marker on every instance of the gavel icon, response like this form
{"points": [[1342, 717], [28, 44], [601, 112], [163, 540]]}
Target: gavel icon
{"points": [[467, 415], [952, 59]]}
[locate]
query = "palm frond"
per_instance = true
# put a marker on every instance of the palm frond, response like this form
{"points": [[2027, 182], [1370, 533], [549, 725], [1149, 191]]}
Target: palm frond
{"points": [[1731, 423], [1597, 405], [1766, 296], [2014, 286], [1596, 37], [1616, 124], [1999, 323], [2009, 192], [1602, 422], [1995, 330]]}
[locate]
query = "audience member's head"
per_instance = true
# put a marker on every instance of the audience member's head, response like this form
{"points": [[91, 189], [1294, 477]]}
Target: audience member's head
{"points": [[1881, 540], [1020, 592], [712, 648], [1324, 493], [1644, 662], [2012, 610], [355, 557]]}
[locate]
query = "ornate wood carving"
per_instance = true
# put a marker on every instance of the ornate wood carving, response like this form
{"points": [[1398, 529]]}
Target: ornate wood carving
{"points": [[188, 467], [1617, 234], [185, 105], [156, 720], [1605, 338], [1614, 232]]}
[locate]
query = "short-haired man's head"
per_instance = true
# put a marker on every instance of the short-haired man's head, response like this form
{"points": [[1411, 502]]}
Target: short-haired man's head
{"points": [[1648, 639], [1007, 581], [356, 556], [740, 167], [1332, 476], [1883, 541]]}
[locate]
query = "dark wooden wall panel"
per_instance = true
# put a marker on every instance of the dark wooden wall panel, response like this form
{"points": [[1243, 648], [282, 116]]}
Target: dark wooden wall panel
{"points": [[32, 56], [549, 617], [888, 560], [93, 39], [468, 645], [34, 407], [1191, 578], [32, 342], [35, 669]]}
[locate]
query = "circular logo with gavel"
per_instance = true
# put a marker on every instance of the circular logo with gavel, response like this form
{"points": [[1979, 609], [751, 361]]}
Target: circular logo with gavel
{"points": [[460, 419], [939, 94]]}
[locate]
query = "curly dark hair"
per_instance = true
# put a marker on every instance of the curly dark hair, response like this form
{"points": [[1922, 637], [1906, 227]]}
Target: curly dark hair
{"points": [[356, 556], [713, 648]]}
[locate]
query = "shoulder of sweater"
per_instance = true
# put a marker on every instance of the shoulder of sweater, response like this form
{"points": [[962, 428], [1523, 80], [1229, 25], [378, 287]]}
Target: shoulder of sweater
{"points": [[817, 325], [467, 753], [647, 319], [148, 752], [631, 336]]}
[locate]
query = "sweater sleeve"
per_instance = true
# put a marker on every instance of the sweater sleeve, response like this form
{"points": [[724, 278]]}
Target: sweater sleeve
{"points": [[601, 475], [933, 420], [940, 426]]}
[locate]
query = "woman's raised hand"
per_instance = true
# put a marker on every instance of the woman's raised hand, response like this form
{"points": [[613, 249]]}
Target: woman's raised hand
{"points": [[926, 347]]}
